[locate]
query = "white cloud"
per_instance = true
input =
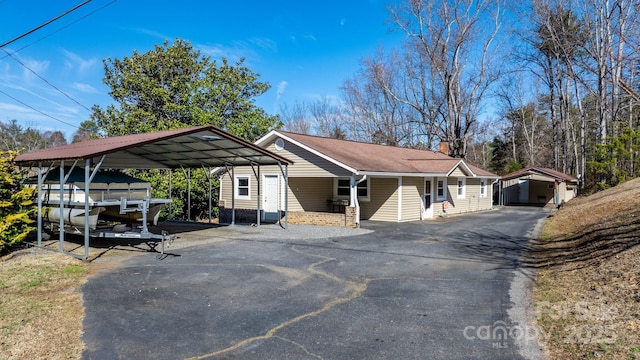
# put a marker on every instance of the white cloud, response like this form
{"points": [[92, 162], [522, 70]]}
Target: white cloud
{"points": [[155, 34], [282, 86], [265, 43], [310, 37], [12, 108], [85, 88], [74, 61], [234, 52], [343, 21]]}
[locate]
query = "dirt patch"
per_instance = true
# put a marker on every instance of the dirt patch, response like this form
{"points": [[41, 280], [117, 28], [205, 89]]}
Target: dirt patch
{"points": [[587, 289]]}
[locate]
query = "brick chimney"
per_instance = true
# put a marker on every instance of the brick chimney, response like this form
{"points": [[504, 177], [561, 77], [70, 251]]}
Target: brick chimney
{"points": [[444, 147]]}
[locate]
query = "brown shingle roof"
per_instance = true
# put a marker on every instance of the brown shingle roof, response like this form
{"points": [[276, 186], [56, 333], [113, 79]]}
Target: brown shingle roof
{"points": [[540, 171], [190, 147], [365, 157]]}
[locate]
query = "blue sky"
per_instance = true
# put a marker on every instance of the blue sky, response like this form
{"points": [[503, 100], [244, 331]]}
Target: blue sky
{"points": [[304, 49]]}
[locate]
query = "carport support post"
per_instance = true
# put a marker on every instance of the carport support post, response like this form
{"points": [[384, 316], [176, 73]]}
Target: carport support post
{"points": [[171, 203], [285, 174], [257, 175], [233, 196], [39, 205], [87, 183], [286, 196], [209, 176], [61, 221]]}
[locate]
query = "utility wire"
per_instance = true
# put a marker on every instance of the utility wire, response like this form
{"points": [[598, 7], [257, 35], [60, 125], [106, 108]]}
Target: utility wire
{"points": [[45, 24], [63, 27], [45, 80], [38, 111]]}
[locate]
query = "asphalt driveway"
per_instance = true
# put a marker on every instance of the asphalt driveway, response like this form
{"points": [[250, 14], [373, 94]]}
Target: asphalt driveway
{"points": [[446, 289]]}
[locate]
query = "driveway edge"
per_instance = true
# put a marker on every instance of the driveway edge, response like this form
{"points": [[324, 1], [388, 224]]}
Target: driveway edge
{"points": [[522, 312]]}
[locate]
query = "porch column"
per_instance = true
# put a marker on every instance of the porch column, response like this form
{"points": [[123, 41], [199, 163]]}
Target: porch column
{"points": [[353, 190]]}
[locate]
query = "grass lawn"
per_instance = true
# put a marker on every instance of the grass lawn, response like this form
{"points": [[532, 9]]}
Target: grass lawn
{"points": [[41, 305]]}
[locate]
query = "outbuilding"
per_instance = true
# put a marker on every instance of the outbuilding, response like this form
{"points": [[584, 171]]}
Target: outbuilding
{"points": [[538, 186]]}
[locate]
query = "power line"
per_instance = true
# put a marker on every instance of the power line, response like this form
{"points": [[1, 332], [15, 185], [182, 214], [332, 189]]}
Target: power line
{"points": [[63, 27], [45, 24], [45, 80], [38, 111]]}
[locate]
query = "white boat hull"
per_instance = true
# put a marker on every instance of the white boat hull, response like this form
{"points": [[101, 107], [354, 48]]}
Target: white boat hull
{"points": [[73, 216]]}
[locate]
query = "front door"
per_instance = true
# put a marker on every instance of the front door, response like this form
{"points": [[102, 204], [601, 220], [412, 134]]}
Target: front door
{"points": [[427, 200], [270, 198]]}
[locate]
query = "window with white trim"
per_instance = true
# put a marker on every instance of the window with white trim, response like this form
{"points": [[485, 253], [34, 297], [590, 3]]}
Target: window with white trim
{"points": [[461, 188], [441, 189], [342, 189], [242, 187], [483, 188]]}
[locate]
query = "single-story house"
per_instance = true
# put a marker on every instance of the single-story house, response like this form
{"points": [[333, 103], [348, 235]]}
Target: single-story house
{"points": [[340, 182], [538, 186]]}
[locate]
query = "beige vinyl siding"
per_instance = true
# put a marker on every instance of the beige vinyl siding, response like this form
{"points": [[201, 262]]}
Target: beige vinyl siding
{"points": [[310, 194], [383, 205], [412, 190], [305, 194], [458, 173], [472, 200], [226, 190], [306, 164]]}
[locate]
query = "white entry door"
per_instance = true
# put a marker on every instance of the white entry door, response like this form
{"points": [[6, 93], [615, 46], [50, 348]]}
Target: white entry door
{"points": [[270, 198], [427, 200]]}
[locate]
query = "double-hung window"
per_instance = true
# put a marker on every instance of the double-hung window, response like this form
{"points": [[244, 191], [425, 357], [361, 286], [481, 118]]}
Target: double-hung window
{"points": [[483, 188], [242, 187], [441, 189], [461, 188]]}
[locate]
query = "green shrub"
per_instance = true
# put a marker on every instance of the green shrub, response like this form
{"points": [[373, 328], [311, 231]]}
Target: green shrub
{"points": [[16, 205]]}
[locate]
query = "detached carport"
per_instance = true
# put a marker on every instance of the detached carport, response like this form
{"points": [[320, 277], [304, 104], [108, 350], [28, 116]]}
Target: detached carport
{"points": [[197, 147], [537, 186]]}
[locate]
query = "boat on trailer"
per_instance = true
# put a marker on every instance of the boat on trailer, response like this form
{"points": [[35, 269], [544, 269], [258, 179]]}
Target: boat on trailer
{"points": [[113, 197]]}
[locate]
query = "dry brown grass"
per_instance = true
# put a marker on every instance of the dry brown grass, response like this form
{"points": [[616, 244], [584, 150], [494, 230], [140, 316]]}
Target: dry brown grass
{"points": [[587, 291], [41, 305]]}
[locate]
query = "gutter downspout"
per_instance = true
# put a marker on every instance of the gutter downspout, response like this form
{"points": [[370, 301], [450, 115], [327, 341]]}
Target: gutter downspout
{"points": [[354, 197]]}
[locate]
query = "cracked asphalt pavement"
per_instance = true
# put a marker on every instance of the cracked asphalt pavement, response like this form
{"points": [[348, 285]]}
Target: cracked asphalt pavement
{"points": [[420, 290]]}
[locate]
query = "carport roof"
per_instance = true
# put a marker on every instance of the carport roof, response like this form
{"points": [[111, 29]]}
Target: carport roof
{"points": [[550, 173], [202, 146]]}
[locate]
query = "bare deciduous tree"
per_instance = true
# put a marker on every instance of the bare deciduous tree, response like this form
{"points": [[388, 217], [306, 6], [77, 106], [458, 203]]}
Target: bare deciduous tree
{"points": [[456, 38]]}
